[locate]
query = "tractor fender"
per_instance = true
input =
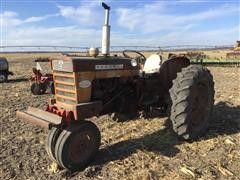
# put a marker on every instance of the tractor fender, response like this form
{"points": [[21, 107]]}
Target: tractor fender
{"points": [[169, 69]]}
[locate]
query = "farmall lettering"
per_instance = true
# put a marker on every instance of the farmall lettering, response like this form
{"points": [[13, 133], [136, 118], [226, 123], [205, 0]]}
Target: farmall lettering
{"points": [[109, 67]]}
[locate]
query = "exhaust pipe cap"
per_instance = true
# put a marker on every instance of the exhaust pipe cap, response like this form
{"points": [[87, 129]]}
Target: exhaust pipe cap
{"points": [[93, 52]]}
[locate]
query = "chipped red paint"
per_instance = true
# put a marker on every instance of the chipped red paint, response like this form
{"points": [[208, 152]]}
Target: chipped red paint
{"points": [[68, 116]]}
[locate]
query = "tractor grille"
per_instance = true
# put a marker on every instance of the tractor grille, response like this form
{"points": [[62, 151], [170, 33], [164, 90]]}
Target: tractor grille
{"points": [[65, 89]]}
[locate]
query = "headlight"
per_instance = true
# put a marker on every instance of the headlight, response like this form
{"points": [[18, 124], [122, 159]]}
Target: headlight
{"points": [[133, 62]]}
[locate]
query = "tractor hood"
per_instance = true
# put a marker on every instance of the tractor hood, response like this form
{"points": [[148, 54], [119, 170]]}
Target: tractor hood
{"points": [[81, 64]]}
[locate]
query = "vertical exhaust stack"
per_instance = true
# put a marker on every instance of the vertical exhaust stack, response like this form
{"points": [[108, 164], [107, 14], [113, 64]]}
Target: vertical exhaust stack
{"points": [[106, 31]]}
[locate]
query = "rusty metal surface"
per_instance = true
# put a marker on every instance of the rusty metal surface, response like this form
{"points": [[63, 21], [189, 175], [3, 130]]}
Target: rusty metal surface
{"points": [[47, 116], [32, 119], [86, 110], [39, 117], [39, 77], [67, 115], [80, 64], [88, 64], [62, 65]]}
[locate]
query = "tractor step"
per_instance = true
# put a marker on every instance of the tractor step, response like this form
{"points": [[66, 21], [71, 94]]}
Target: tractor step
{"points": [[39, 117]]}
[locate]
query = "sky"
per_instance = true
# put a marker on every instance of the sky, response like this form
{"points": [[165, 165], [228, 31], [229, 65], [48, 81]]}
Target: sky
{"points": [[133, 22]]}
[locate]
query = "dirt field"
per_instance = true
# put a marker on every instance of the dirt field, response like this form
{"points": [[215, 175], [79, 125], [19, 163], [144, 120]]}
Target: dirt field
{"points": [[137, 149]]}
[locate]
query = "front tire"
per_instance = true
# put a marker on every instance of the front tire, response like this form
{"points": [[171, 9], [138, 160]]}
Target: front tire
{"points": [[192, 99], [3, 77], [51, 142], [38, 88], [77, 146]]}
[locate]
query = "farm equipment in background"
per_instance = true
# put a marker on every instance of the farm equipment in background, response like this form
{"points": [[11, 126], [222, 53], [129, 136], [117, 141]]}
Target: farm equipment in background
{"points": [[4, 70], [196, 56], [199, 58], [41, 82], [235, 54], [129, 85]]}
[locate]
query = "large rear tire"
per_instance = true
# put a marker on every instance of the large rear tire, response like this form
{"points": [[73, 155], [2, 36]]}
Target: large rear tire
{"points": [[192, 99]]}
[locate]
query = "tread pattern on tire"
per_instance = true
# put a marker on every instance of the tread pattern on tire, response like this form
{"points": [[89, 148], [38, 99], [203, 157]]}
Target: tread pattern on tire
{"points": [[181, 96]]}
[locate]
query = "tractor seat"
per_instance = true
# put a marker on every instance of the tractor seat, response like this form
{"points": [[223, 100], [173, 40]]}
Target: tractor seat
{"points": [[152, 64]]}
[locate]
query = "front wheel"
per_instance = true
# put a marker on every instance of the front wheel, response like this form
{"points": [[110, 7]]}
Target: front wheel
{"points": [[38, 88], [76, 146], [192, 97], [3, 77], [51, 142]]}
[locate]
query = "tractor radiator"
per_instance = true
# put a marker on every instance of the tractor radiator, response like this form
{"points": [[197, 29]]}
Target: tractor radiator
{"points": [[65, 89]]}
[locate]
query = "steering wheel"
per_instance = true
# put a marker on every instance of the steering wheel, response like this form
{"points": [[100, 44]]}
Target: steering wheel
{"points": [[140, 58]]}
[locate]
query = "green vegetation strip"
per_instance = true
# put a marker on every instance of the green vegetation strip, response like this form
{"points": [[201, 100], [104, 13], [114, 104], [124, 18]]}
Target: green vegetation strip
{"points": [[225, 63]]}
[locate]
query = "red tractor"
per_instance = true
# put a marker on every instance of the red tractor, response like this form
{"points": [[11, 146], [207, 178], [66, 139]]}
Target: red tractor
{"points": [[95, 85], [41, 82]]}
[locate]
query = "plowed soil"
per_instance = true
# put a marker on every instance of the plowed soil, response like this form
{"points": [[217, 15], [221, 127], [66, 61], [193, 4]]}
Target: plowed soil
{"points": [[136, 149]]}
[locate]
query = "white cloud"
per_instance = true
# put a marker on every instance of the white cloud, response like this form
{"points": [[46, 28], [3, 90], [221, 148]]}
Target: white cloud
{"points": [[68, 36], [221, 11], [75, 36], [11, 18], [87, 14], [155, 17], [146, 24], [146, 16], [226, 36], [39, 18]]}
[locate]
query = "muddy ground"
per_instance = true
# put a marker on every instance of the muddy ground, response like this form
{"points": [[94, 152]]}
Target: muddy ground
{"points": [[137, 149]]}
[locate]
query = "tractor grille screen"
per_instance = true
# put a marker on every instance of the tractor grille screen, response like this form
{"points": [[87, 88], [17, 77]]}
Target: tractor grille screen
{"points": [[65, 87], [63, 100], [66, 93], [65, 79], [62, 86]]}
